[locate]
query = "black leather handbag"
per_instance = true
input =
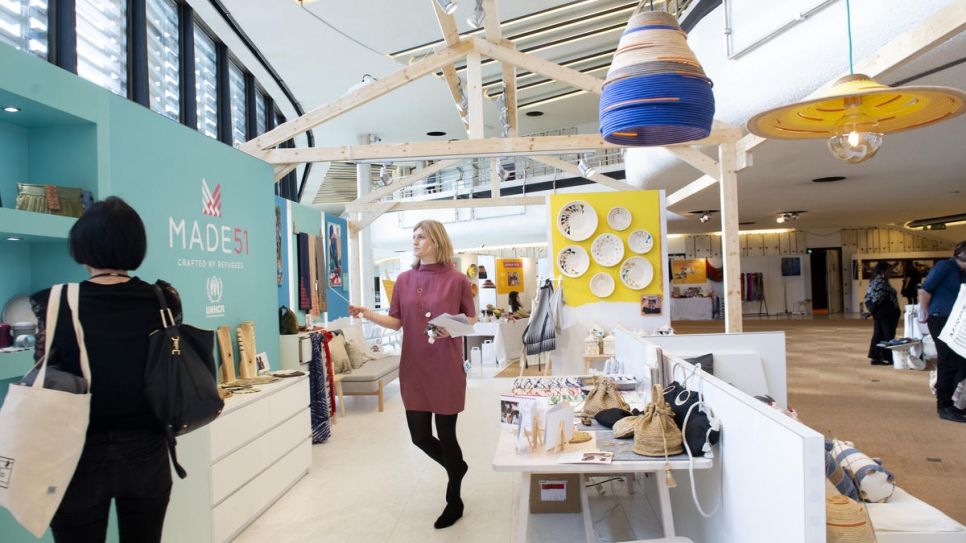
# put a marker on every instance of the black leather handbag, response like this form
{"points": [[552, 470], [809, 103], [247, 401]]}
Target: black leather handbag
{"points": [[179, 380]]}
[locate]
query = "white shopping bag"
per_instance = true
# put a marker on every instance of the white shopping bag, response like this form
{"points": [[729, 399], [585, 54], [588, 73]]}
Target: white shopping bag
{"points": [[489, 352], [954, 333], [42, 434]]}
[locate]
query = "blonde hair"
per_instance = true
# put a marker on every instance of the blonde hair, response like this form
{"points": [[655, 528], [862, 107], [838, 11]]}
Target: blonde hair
{"points": [[436, 234]]}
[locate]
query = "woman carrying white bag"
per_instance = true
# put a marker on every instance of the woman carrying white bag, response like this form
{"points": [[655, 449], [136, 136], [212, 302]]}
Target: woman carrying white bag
{"points": [[124, 463]]}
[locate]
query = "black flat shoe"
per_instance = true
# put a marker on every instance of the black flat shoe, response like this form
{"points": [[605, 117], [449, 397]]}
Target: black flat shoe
{"points": [[881, 363], [949, 413], [452, 513]]}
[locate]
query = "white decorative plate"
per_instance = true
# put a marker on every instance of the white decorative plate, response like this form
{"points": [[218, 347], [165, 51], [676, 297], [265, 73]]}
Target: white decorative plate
{"points": [[577, 220], [18, 310], [636, 272], [573, 261], [607, 250], [619, 218], [602, 284], [640, 241]]}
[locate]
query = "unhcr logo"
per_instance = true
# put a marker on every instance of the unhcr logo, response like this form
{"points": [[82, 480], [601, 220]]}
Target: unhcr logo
{"points": [[214, 288]]}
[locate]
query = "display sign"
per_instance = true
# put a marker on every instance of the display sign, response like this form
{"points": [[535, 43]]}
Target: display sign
{"points": [[509, 275], [689, 271]]}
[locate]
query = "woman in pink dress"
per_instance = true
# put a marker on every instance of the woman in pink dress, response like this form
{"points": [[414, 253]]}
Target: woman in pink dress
{"points": [[431, 375]]}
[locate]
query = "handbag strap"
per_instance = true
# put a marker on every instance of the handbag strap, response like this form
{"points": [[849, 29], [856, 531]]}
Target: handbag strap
{"points": [[167, 319], [53, 311]]}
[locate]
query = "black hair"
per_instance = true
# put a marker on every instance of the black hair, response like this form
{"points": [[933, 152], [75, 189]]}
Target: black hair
{"points": [[514, 301], [881, 268], [109, 235]]}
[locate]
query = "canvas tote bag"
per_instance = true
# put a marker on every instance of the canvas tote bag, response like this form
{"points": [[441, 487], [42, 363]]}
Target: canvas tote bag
{"points": [[954, 333], [42, 434]]}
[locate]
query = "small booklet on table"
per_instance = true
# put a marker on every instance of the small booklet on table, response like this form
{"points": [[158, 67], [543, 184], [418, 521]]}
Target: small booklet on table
{"points": [[455, 325]]}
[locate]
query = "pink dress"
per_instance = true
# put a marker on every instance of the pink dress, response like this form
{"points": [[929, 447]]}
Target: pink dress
{"points": [[431, 375]]}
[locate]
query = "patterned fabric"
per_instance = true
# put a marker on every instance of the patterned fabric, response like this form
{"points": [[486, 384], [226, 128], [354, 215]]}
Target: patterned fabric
{"points": [[319, 393], [880, 291], [304, 280], [875, 483], [540, 335]]}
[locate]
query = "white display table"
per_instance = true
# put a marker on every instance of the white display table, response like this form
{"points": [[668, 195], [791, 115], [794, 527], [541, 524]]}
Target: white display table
{"points": [[691, 309], [507, 338], [529, 463]]}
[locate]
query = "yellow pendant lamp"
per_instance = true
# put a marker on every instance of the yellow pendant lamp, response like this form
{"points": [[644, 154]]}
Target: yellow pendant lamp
{"points": [[856, 113]]}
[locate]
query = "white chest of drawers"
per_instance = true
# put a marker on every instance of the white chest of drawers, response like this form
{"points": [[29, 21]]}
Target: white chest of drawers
{"points": [[241, 463]]}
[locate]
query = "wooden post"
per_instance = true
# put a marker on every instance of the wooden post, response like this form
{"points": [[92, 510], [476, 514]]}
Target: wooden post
{"points": [[727, 161]]}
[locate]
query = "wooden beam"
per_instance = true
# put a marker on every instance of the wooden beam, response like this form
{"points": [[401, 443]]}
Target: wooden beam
{"points": [[381, 209], [460, 203], [403, 182], [730, 248], [491, 25], [537, 65], [495, 177], [690, 189], [699, 160], [532, 145], [510, 84], [474, 92], [570, 168], [358, 97], [281, 170], [447, 26]]}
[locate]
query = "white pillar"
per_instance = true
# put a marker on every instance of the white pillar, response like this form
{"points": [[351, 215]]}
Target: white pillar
{"points": [[730, 247]]}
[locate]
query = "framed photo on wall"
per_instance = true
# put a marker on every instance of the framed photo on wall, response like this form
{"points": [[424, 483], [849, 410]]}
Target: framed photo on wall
{"points": [[334, 258], [651, 304]]}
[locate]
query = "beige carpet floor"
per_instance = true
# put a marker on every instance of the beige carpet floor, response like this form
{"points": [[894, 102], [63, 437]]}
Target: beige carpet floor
{"points": [[889, 414]]}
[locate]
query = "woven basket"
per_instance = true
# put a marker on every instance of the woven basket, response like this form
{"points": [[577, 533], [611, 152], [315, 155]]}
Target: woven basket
{"points": [[846, 521], [603, 395], [655, 433], [625, 427]]}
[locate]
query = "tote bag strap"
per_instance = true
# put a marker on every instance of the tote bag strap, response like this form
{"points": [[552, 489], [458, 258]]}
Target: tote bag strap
{"points": [[73, 301], [53, 310]]}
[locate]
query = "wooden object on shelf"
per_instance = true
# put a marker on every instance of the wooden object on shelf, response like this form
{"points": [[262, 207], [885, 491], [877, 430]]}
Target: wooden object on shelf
{"points": [[227, 371], [247, 369]]}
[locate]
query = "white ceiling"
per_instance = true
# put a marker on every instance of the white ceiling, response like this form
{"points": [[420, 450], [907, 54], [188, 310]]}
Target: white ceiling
{"points": [[324, 48]]}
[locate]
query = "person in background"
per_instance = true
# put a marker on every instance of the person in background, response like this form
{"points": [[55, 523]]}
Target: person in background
{"points": [[516, 307], [910, 283], [937, 295], [432, 380], [882, 304], [125, 457]]}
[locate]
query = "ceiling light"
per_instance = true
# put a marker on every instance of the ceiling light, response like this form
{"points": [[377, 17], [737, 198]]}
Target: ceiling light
{"points": [[534, 114], [436, 133], [14, 238], [786, 216], [585, 170], [303, 2], [476, 20], [948, 220], [856, 112], [829, 179], [705, 217], [384, 175], [11, 109], [446, 6]]}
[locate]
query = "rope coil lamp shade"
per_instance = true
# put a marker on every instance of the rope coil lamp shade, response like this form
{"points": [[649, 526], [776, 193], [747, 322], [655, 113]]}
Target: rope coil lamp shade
{"points": [[656, 92], [855, 114]]}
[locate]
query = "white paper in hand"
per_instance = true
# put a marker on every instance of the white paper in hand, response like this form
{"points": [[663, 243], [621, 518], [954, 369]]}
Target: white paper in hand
{"points": [[455, 325]]}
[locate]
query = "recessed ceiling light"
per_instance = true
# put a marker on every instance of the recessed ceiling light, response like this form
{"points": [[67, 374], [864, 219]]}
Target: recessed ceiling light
{"points": [[13, 238], [746, 223], [11, 109], [534, 114], [436, 133], [829, 179]]}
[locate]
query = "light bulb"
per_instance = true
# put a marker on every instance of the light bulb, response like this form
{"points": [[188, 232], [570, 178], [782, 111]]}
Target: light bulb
{"points": [[780, 219], [856, 137]]}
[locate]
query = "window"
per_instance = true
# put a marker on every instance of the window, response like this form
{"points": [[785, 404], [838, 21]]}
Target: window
{"points": [[23, 24], [236, 84], [206, 82], [102, 43], [259, 112], [164, 82]]}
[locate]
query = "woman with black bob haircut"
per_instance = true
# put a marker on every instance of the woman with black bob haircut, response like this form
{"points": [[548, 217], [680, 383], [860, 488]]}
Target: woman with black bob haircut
{"points": [[125, 457]]}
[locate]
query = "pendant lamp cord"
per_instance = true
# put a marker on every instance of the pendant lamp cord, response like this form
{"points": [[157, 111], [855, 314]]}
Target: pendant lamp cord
{"points": [[848, 20]]}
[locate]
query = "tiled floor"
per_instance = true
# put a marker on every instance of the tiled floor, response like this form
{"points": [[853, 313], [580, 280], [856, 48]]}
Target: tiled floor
{"points": [[369, 484]]}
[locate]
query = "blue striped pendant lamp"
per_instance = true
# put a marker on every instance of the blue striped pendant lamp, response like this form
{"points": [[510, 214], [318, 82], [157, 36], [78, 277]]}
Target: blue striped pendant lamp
{"points": [[656, 92]]}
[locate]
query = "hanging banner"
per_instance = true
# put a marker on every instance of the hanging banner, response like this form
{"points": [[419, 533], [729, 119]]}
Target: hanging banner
{"points": [[688, 271], [509, 275]]}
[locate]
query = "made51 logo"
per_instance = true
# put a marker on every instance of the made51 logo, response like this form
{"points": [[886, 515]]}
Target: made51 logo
{"points": [[210, 200]]}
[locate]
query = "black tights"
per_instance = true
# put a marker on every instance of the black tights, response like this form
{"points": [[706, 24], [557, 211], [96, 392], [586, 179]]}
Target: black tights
{"points": [[445, 450]]}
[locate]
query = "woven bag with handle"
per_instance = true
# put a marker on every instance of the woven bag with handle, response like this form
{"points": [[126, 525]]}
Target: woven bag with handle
{"points": [[603, 395], [656, 434], [847, 521]]}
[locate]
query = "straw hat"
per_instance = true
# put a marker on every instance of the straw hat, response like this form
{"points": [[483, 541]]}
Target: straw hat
{"points": [[847, 521]]}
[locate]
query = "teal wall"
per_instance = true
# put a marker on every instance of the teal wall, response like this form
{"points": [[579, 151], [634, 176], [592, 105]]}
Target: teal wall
{"points": [[226, 274]]}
